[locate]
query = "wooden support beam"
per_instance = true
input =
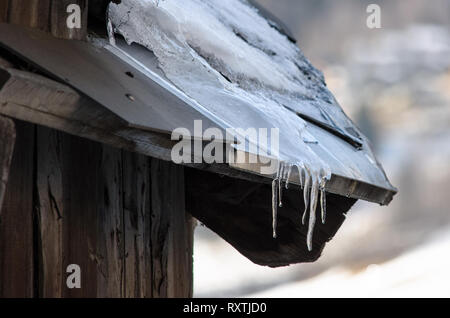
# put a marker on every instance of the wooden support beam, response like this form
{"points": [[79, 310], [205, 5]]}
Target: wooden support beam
{"points": [[138, 224], [119, 215], [80, 215], [47, 15], [172, 232]]}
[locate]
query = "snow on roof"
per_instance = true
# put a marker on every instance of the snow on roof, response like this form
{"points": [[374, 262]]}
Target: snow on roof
{"points": [[229, 59], [233, 62]]}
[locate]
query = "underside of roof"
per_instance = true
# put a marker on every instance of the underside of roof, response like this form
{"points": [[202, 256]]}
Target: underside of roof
{"points": [[166, 64]]}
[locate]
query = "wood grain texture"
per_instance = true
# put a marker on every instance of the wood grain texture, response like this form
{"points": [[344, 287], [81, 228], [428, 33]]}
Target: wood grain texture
{"points": [[109, 255], [137, 221], [51, 212], [16, 220], [97, 246], [81, 164], [75, 201], [171, 232]]}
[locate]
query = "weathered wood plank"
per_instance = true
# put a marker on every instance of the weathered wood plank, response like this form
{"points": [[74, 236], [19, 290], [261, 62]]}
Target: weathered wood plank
{"points": [[137, 220], [7, 140], [81, 163], [180, 263], [94, 209], [80, 215], [16, 220], [50, 202], [171, 232], [122, 248], [93, 217], [109, 255]]}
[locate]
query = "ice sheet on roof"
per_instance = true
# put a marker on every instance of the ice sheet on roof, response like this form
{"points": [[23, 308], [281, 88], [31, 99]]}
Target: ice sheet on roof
{"points": [[232, 61], [232, 42]]}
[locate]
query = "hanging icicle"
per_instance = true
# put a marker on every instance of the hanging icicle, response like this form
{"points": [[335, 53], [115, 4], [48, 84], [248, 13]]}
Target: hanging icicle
{"points": [[280, 180], [274, 207], [306, 193], [288, 177], [312, 212], [313, 184], [323, 205]]}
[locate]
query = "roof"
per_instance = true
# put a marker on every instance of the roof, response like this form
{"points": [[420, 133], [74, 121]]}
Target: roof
{"points": [[167, 64]]}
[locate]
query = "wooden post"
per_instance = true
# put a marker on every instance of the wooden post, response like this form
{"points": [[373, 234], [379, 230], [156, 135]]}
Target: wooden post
{"points": [[120, 216], [172, 232], [80, 216]]}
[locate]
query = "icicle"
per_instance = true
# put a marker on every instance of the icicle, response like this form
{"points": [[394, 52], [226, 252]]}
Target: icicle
{"points": [[300, 175], [306, 193], [274, 207], [323, 195], [289, 176], [278, 171], [280, 188], [312, 212], [323, 205], [286, 171]]}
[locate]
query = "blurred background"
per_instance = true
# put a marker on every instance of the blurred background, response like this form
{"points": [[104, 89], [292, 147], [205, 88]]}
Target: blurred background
{"points": [[394, 82]]}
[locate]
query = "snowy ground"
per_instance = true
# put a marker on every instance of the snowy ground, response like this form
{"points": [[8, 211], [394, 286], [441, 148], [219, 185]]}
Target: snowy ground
{"points": [[422, 272], [419, 272]]}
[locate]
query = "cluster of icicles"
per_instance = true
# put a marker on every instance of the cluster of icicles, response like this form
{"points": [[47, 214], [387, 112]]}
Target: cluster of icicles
{"points": [[312, 183]]}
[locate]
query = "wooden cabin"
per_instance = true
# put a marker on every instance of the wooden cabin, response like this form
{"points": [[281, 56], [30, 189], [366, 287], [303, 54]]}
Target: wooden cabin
{"points": [[86, 176]]}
